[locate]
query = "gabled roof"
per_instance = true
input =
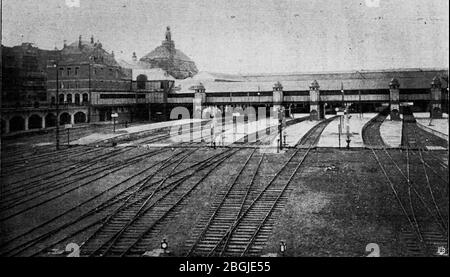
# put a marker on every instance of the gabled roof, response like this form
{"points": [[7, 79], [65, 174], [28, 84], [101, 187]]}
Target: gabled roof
{"points": [[85, 51]]}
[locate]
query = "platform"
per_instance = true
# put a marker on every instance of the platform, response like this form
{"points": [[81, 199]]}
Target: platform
{"points": [[438, 127], [122, 132], [391, 132], [294, 133], [330, 136], [232, 135]]}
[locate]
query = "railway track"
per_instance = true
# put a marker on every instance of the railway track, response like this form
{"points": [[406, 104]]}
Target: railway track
{"points": [[89, 159], [53, 177], [99, 218], [96, 215], [127, 230], [242, 217], [75, 179], [26, 150], [415, 193], [23, 165], [313, 135], [414, 137], [371, 131], [64, 188]]}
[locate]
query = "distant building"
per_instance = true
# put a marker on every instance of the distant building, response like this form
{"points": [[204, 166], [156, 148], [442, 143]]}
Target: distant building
{"points": [[85, 73], [170, 59], [92, 85], [24, 75], [85, 79]]}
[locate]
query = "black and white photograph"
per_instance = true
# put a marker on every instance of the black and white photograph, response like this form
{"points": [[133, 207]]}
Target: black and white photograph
{"points": [[234, 129]]}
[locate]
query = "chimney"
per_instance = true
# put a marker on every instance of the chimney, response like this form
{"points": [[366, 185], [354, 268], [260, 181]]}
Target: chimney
{"points": [[134, 58], [65, 43], [92, 39], [79, 42]]}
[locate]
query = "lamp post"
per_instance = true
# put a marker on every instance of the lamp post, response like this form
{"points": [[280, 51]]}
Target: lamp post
{"points": [[164, 245], [282, 247], [280, 128], [57, 105], [89, 89]]}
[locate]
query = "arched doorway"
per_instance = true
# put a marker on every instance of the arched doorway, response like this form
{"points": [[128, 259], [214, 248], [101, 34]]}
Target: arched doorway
{"points": [[17, 123], [35, 122], [80, 117], [50, 120], [64, 118]]}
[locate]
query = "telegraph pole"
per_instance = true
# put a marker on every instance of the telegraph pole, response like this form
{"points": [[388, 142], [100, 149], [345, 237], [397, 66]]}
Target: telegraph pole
{"points": [[280, 128], [57, 105]]}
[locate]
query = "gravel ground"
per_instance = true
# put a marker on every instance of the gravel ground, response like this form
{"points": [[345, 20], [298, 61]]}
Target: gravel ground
{"points": [[340, 201]]}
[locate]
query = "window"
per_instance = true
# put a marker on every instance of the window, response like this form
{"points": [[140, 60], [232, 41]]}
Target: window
{"points": [[69, 71], [85, 97], [121, 96], [77, 99], [69, 98], [77, 69], [61, 71], [141, 81]]}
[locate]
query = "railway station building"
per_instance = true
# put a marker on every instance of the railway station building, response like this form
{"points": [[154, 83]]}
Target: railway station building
{"points": [[90, 84]]}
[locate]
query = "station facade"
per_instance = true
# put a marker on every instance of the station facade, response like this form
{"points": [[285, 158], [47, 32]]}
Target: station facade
{"points": [[319, 93]]}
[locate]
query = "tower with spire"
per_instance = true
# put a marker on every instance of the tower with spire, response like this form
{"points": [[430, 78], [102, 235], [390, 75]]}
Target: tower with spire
{"points": [[168, 42], [170, 59]]}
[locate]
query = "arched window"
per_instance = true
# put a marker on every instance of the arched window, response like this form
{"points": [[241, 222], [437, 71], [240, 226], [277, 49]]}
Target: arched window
{"points": [[64, 118], [80, 117], [17, 123], [50, 120], [85, 97], [69, 98], [35, 122], [77, 99], [61, 98], [141, 81]]}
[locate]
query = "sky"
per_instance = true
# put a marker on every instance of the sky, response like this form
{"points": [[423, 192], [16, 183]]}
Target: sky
{"points": [[246, 36]]}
